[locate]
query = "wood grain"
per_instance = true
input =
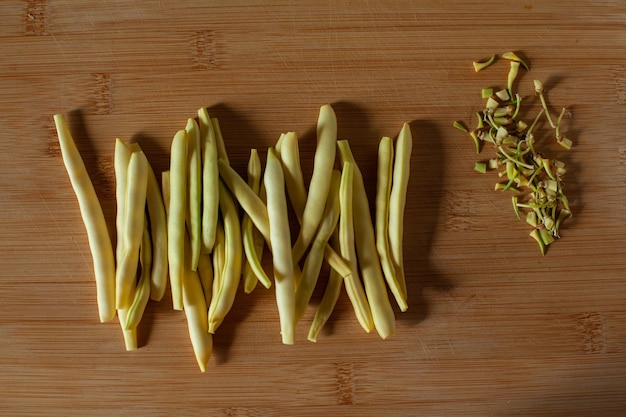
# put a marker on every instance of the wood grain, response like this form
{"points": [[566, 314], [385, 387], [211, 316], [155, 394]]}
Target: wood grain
{"points": [[492, 329]]}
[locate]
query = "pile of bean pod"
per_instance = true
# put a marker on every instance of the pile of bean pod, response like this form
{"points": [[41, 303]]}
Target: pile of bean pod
{"points": [[204, 228]]}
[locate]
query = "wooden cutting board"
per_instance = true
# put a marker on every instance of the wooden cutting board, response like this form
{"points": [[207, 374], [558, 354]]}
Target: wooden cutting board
{"points": [[493, 328]]}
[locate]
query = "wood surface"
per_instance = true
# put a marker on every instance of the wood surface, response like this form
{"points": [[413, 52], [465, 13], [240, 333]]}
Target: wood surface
{"points": [[493, 328]]}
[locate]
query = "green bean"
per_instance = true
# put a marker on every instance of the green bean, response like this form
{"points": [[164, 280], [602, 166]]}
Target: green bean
{"points": [[323, 163], [93, 219], [280, 239], [194, 190], [210, 179], [252, 240], [134, 219], [222, 301], [347, 246], [383, 190], [397, 201], [369, 262], [142, 290], [313, 261], [176, 218]]}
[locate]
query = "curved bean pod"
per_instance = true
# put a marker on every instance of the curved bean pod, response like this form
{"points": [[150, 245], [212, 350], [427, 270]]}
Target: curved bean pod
{"points": [[93, 219], [313, 261], [369, 262], [222, 301], [383, 189], [323, 163], [252, 239], [134, 219], [329, 299], [348, 249]]}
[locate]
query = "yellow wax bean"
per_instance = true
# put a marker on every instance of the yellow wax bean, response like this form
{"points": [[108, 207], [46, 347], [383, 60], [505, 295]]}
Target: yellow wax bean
{"points": [[323, 163], [142, 291], [222, 301], [348, 248], [383, 190], [280, 238], [369, 262], [134, 219], [158, 232], [130, 335], [397, 201], [176, 218], [246, 197], [296, 190], [252, 239], [257, 210], [165, 186], [298, 195], [329, 299], [219, 140], [210, 181], [120, 163], [313, 261], [219, 256], [194, 190], [93, 219], [195, 308], [205, 272]]}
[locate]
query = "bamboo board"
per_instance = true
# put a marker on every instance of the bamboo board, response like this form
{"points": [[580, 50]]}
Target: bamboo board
{"points": [[493, 328]]}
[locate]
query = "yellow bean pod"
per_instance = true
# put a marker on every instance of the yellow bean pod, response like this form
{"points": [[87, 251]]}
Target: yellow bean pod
{"points": [[252, 240], [219, 141], [93, 219], [297, 193], [222, 301], [397, 202], [313, 261], [194, 190], [329, 299], [369, 262], [294, 180], [383, 190], [120, 166], [205, 272], [210, 181], [348, 248], [142, 290], [134, 219], [195, 308], [246, 197], [158, 232], [176, 217], [319, 186], [280, 238]]}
